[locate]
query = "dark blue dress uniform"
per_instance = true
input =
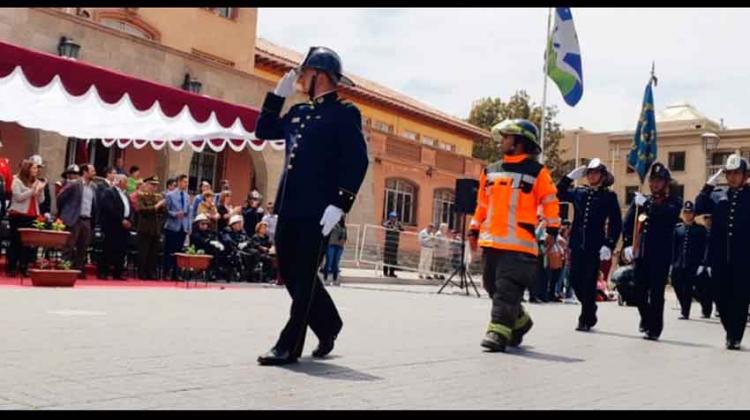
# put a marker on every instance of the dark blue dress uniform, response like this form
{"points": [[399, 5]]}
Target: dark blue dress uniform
{"points": [[688, 251], [705, 288], [597, 223], [653, 257], [729, 253], [326, 162]]}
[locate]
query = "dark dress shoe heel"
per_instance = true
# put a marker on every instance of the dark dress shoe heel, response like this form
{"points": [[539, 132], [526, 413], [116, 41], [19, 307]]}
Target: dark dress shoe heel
{"points": [[582, 326], [324, 347], [276, 358]]}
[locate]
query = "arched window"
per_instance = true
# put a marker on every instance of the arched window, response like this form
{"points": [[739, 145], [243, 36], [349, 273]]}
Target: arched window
{"points": [[443, 207], [126, 27], [401, 197], [205, 166]]}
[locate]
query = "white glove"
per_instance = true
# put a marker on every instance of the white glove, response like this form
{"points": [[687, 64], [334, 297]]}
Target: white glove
{"points": [[715, 178], [217, 245], [700, 270], [242, 245], [285, 87], [640, 199], [577, 172], [331, 216], [708, 269], [605, 253], [628, 253]]}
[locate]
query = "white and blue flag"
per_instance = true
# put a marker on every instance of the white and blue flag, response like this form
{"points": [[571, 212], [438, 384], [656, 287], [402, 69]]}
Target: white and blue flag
{"points": [[564, 57]]}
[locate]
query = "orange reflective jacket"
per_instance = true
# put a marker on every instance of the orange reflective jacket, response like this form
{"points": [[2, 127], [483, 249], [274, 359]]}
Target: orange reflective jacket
{"points": [[510, 192]]}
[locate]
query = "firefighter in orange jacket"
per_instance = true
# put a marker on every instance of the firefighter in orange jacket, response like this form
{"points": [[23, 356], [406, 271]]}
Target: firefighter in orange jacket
{"points": [[510, 192]]}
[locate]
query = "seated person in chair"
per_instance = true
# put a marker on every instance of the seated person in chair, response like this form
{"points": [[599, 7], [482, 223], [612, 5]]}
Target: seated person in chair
{"points": [[237, 253], [205, 239], [261, 244]]}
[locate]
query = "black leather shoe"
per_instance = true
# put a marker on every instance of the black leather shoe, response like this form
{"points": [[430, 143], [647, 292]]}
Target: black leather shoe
{"points": [[276, 358], [733, 345], [582, 326], [324, 347], [650, 336], [494, 341]]}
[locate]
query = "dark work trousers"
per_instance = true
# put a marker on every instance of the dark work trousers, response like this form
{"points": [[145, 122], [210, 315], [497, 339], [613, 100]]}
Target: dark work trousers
{"points": [[505, 277], [554, 279], [78, 243], [173, 242], [300, 246], [704, 291], [683, 282], [148, 251], [650, 281], [19, 256], [584, 272], [733, 298], [115, 243]]}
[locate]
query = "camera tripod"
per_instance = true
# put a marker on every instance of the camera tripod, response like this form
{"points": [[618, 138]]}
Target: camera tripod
{"points": [[464, 277]]}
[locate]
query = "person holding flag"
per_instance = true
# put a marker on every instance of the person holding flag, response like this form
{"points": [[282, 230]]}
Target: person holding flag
{"points": [[650, 222]]}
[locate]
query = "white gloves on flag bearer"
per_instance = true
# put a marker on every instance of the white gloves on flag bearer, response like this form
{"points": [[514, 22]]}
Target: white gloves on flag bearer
{"points": [[285, 87], [605, 254], [639, 199], [577, 173], [331, 216]]}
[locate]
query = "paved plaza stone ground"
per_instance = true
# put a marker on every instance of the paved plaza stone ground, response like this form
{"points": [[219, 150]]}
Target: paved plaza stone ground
{"points": [[402, 347]]}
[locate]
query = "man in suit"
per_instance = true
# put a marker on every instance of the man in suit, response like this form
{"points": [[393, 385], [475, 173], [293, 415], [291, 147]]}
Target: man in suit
{"points": [[116, 214], [77, 207], [177, 225]]}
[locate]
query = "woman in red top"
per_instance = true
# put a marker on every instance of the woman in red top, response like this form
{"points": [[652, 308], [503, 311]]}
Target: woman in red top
{"points": [[28, 192]]}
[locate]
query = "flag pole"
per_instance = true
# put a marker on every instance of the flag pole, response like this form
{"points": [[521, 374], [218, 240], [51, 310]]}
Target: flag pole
{"points": [[640, 185], [544, 91]]}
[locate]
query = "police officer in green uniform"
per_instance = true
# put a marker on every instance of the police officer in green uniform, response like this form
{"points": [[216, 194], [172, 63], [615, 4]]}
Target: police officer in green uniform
{"points": [[326, 162], [150, 207]]}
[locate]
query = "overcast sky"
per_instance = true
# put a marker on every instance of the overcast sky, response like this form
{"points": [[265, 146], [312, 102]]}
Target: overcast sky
{"points": [[450, 57]]}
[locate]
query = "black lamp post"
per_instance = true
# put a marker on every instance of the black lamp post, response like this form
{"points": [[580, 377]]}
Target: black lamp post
{"points": [[191, 85], [68, 48]]}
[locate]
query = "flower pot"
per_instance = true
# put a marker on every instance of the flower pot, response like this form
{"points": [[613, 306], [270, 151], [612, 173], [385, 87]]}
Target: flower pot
{"points": [[43, 238], [197, 262], [53, 278]]}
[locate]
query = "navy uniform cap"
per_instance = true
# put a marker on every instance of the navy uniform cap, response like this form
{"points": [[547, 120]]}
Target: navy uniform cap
{"points": [[689, 206]]}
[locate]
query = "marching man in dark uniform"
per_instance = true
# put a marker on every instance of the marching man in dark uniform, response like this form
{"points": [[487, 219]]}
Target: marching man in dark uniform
{"points": [[596, 229], [687, 255], [326, 162], [150, 207], [730, 254], [658, 214], [705, 288]]}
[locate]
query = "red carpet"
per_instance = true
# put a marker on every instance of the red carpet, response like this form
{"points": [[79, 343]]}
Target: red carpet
{"points": [[94, 282]]}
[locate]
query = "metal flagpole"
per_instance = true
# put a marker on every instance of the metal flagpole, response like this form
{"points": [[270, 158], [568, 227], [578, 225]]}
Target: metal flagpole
{"points": [[544, 92]]}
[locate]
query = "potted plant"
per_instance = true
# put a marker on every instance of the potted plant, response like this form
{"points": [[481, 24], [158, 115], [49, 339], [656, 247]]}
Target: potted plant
{"points": [[46, 233], [53, 273], [192, 261]]}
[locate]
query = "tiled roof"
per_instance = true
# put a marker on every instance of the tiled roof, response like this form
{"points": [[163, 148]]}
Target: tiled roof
{"points": [[266, 50]]}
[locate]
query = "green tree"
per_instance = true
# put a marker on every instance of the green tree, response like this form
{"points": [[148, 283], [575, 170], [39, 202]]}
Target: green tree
{"points": [[487, 112]]}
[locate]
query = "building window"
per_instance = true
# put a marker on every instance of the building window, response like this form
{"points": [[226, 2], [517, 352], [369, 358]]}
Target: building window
{"points": [[447, 146], [125, 27], [676, 161], [677, 190], [380, 125], [400, 196], [225, 12], [628, 169], [718, 159], [80, 151], [443, 210], [202, 168], [410, 135], [630, 193], [429, 141]]}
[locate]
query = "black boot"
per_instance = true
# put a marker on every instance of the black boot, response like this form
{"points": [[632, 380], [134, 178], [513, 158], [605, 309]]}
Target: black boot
{"points": [[494, 341], [324, 347]]}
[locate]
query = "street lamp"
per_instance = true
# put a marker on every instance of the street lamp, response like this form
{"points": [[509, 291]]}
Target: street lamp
{"points": [[68, 48], [710, 143], [191, 85]]}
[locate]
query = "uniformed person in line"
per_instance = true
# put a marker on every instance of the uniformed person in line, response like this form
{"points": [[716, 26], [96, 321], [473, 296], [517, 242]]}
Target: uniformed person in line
{"points": [[730, 254], [326, 162], [689, 246], [596, 230], [510, 191], [705, 289], [658, 214], [150, 207]]}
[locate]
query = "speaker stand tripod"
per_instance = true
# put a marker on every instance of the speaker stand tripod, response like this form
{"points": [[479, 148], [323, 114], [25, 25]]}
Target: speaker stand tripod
{"points": [[464, 277]]}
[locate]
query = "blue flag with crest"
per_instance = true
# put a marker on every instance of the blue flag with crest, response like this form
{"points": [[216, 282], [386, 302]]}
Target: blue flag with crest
{"points": [[643, 152]]}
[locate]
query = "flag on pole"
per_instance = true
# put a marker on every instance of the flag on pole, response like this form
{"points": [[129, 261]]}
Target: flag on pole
{"points": [[643, 152], [564, 57]]}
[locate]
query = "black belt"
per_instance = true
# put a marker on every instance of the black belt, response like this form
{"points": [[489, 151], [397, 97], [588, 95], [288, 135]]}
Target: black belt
{"points": [[84, 218]]}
